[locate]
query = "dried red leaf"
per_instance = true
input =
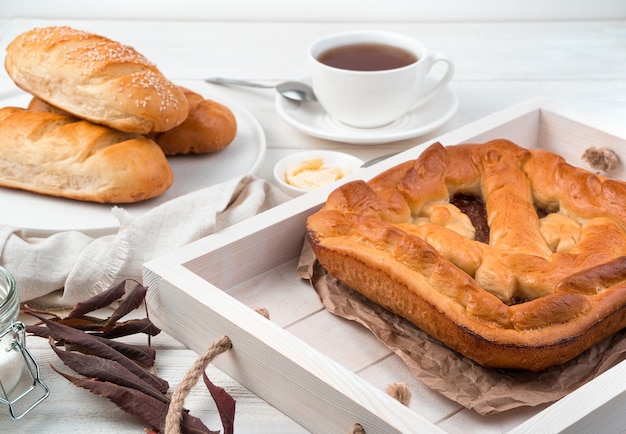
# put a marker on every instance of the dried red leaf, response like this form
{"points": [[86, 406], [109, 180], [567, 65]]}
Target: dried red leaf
{"points": [[39, 331], [131, 302], [63, 333], [142, 354], [40, 311], [106, 370], [150, 410], [98, 301], [85, 323], [113, 367], [131, 327], [225, 404]]}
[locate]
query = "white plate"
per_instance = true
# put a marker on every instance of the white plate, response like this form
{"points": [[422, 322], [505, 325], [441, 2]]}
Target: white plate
{"points": [[42, 215], [312, 119]]}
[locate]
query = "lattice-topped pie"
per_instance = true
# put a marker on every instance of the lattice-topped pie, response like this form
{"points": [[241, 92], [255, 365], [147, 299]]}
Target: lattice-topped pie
{"points": [[510, 256]]}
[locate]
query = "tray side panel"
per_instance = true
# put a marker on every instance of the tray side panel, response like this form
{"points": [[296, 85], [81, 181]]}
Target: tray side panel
{"points": [[273, 364], [269, 244], [597, 406]]}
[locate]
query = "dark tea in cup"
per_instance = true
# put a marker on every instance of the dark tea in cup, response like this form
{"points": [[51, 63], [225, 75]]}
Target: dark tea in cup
{"points": [[367, 57]]}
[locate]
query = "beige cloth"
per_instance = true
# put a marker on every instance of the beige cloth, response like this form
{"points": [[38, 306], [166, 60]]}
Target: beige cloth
{"points": [[70, 266]]}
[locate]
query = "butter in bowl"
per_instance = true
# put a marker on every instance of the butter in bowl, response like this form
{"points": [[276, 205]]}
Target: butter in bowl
{"points": [[306, 171]]}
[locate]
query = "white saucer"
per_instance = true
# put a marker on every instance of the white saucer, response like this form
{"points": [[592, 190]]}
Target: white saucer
{"points": [[312, 119]]}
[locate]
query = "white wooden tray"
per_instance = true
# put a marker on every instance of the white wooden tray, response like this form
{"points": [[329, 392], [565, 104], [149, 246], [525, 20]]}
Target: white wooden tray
{"points": [[328, 373]]}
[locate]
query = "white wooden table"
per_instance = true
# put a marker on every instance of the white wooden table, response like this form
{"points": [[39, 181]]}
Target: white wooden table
{"points": [[578, 63]]}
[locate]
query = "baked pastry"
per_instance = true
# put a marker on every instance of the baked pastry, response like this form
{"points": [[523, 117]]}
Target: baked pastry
{"points": [[57, 155], [95, 78], [210, 126], [510, 256], [39, 105]]}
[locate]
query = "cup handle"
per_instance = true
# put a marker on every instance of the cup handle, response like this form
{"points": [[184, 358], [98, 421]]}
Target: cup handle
{"points": [[443, 81]]}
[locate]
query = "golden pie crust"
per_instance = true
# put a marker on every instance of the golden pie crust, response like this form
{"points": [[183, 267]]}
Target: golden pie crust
{"points": [[549, 283]]}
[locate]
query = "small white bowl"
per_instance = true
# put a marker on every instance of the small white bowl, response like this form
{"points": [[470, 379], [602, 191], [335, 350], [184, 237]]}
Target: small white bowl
{"points": [[330, 160]]}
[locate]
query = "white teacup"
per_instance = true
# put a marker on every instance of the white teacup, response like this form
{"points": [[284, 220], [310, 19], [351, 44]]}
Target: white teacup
{"points": [[373, 98]]}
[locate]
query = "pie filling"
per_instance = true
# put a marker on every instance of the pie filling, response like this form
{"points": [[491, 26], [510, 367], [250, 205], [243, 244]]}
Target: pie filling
{"points": [[474, 208]]}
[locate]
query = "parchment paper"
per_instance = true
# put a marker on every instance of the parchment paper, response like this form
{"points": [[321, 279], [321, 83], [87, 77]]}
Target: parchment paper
{"points": [[485, 390]]}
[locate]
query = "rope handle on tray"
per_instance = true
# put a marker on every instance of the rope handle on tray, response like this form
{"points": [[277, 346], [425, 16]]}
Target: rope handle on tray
{"points": [[175, 410], [399, 391]]}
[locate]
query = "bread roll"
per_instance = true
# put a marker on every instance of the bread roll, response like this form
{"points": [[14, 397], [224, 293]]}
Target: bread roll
{"points": [[63, 156], [210, 126], [548, 282], [39, 105], [95, 78]]}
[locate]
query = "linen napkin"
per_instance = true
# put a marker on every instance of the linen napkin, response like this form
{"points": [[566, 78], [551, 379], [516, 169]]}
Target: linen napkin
{"points": [[70, 266]]}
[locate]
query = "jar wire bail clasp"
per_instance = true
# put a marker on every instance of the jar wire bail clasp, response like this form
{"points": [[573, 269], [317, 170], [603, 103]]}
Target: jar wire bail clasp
{"points": [[31, 383]]}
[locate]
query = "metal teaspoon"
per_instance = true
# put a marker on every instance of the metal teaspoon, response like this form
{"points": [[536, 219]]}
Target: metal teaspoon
{"points": [[294, 90]]}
